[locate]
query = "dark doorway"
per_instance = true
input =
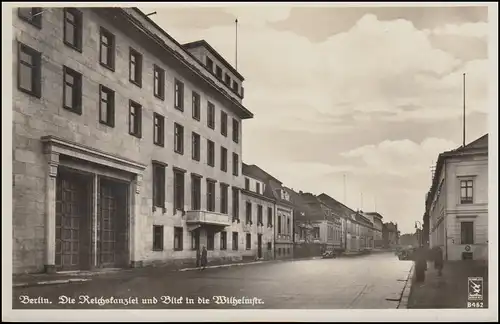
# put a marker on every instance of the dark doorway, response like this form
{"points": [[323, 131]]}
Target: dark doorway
{"points": [[73, 221], [259, 246], [112, 224]]}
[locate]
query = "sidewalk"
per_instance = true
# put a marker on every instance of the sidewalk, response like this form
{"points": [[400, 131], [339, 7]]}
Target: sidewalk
{"points": [[451, 289], [38, 279]]}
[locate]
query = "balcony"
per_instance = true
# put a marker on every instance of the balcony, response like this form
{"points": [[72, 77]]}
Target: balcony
{"points": [[202, 218]]}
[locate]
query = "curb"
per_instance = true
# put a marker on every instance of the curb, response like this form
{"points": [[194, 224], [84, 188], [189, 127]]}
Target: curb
{"points": [[49, 282], [405, 294]]}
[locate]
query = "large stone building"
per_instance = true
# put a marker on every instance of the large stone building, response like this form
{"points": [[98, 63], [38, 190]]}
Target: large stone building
{"points": [[126, 144], [457, 202], [259, 214], [390, 235]]}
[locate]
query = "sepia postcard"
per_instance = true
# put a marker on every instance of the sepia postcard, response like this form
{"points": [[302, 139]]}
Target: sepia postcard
{"points": [[244, 162]]}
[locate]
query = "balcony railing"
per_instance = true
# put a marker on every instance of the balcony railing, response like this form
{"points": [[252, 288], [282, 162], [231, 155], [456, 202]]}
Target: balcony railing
{"points": [[203, 217]]}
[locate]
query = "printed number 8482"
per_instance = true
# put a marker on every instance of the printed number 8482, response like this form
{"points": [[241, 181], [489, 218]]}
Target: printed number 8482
{"points": [[474, 304]]}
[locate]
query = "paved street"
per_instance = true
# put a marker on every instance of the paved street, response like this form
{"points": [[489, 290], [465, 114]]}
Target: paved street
{"points": [[344, 283]]}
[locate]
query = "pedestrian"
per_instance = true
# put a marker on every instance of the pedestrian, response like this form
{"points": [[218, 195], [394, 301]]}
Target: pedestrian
{"points": [[203, 258], [438, 260], [420, 264]]}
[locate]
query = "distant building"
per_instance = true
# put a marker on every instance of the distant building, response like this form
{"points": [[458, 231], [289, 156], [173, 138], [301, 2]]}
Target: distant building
{"points": [[357, 230], [390, 235], [282, 211], [457, 202], [376, 219]]}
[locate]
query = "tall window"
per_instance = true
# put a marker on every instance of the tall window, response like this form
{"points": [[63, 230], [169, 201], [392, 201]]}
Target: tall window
{"points": [[279, 224], [179, 95], [223, 198], [247, 184], [227, 79], [195, 192], [211, 195], [31, 15], [269, 216], [211, 115], [218, 72], [257, 187], [159, 82], [178, 238], [235, 86], [135, 120], [210, 64], [466, 192], [72, 91], [157, 238], [107, 49], [195, 146], [223, 123], [178, 190], [467, 232], [135, 67], [259, 215], [288, 231], [196, 106], [223, 240], [249, 241], [223, 159], [210, 153], [29, 74], [236, 131], [236, 164], [210, 240], [236, 203], [178, 138], [248, 212], [107, 106], [73, 28], [235, 241], [159, 129], [158, 185]]}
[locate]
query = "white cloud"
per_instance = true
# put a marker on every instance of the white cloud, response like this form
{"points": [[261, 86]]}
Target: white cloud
{"points": [[403, 158], [478, 29]]}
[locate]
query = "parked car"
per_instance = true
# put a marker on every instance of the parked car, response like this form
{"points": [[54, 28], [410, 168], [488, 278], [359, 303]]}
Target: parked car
{"points": [[329, 255]]}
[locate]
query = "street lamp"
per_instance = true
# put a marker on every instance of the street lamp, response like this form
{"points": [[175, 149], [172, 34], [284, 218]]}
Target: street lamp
{"points": [[418, 226]]}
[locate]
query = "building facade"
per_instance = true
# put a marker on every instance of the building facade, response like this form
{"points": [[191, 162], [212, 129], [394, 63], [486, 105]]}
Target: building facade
{"points": [[377, 222], [390, 235], [127, 144], [457, 203], [259, 217]]}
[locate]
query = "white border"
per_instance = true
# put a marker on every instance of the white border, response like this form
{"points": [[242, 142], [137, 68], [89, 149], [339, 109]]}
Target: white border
{"points": [[461, 315]]}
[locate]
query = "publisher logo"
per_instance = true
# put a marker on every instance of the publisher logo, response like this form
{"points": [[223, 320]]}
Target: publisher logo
{"points": [[475, 288]]}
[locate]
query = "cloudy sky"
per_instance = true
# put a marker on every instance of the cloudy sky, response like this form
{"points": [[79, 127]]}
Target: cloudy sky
{"points": [[371, 95]]}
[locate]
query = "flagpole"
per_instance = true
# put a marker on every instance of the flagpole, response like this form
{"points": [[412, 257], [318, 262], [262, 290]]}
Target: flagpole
{"points": [[236, 49], [464, 114]]}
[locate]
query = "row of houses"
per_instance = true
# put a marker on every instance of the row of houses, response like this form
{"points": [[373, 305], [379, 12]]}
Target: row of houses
{"points": [[456, 205], [127, 151]]}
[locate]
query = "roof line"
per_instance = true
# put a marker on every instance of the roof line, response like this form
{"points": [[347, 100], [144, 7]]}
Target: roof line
{"points": [[215, 53]]}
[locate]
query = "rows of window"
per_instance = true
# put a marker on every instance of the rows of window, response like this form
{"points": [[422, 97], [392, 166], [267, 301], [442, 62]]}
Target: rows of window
{"points": [[158, 240], [260, 218], [257, 186], [283, 227], [209, 63], [30, 65], [159, 192]]}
